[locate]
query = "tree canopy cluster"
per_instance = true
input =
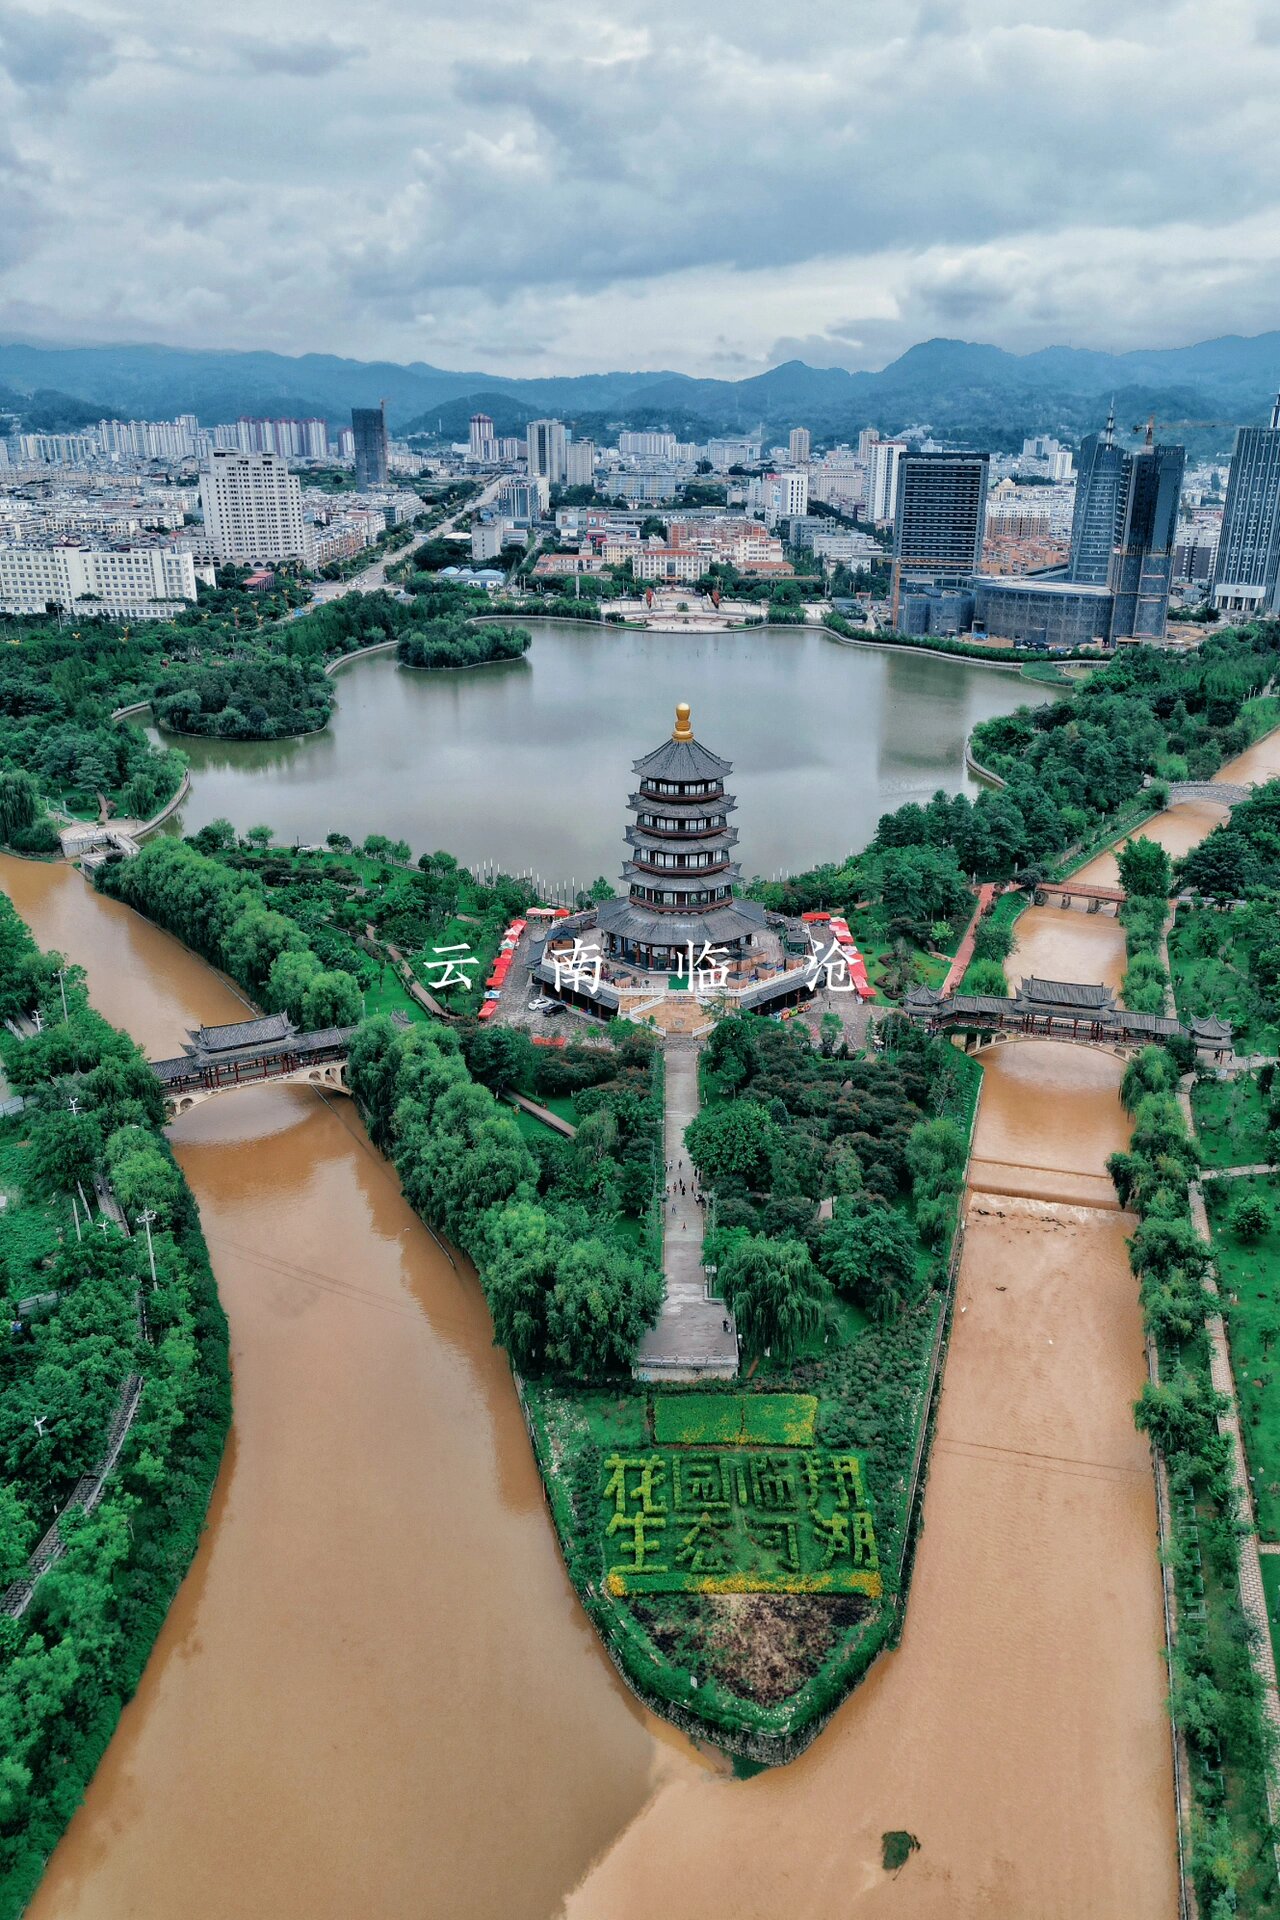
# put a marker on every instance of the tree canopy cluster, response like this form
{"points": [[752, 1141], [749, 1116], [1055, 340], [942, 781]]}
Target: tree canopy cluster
{"points": [[453, 642], [786, 1127], [566, 1293], [70, 1662]]}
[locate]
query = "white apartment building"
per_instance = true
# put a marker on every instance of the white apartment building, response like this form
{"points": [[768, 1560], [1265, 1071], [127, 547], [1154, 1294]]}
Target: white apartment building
{"points": [[545, 442], [798, 447], [482, 448], [139, 583], [882, 478], [486, 541], [580, 463], [779, 496], [647, 446], [252, 507]]}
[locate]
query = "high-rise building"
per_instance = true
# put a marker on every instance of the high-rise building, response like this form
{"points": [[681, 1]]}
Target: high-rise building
{"points": [[940, 511], [580, 463], [1101, 489], [1142, 565], [866, 440], [523, 500], [798, 447], [481, 446], [545, 442], [939, 516], [252, 507], [369, 426], [1246, 575], [882, 459]]}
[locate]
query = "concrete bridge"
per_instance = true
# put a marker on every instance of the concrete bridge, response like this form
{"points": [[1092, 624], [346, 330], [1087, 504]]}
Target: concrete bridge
{"points": [[1221, 792], [249, 1053]]}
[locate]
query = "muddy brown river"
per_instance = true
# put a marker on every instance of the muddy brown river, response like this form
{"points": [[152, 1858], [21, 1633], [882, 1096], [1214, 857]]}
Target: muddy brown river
{"points": [[376, 1695]]}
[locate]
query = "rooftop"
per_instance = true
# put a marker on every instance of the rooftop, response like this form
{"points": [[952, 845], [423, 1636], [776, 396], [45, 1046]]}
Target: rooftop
{"points": [[682, 757]]}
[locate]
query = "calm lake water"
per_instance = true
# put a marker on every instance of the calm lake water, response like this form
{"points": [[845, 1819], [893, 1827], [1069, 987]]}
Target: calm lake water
{"points": [[528, 762]]}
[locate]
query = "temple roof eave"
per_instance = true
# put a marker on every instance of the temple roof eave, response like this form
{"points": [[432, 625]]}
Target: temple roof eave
{"points": [[702, 802]]}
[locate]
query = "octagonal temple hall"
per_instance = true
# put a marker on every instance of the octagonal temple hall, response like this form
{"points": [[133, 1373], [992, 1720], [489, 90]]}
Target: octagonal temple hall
{"points": [[681, 870]]}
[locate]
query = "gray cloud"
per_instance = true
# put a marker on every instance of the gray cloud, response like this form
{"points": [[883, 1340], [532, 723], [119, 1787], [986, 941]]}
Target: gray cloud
{"points": [[304, 59], [54, 50], [707, 187]]}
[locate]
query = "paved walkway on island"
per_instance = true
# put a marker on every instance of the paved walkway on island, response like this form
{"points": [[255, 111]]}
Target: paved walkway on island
{"points": [[694, 1336]]}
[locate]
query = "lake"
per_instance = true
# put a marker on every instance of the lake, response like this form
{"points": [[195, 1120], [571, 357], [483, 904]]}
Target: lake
{"points": [[527, 763]]}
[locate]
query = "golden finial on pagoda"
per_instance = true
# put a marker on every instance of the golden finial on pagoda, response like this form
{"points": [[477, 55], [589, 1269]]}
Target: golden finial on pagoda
{"points": [[683, 730]]}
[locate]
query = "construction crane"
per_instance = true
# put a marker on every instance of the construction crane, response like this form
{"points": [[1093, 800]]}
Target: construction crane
{"points": [[1148, 427]]}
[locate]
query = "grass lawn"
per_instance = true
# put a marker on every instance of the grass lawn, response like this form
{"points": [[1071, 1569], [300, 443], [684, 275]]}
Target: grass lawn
{"points": [[1231, 1121], [1249, 1277], [1271, 1587], [30, 1229], [390, 995], [1217, 981], [749, 1419]]}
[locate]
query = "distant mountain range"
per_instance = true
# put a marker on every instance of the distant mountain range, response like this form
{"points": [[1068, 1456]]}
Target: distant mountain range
{"points": [[963, 391]]}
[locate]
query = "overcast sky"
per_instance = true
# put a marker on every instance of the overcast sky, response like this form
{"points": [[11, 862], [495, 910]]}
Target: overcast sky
{"points": [[712, 185]]}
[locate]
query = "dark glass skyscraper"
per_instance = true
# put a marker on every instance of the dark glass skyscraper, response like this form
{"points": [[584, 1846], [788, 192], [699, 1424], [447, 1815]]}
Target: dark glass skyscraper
{"points": [[1098, 519], [1142, 564], [1246, 575], [369, 431], [1124, 528]]}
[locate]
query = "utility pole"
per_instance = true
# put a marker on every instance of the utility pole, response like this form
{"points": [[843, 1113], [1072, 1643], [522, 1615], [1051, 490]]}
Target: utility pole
{"points": [[62, 983]]}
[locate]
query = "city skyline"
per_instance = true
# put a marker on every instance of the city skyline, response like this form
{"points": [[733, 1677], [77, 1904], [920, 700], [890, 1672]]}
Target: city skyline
{"points": [[517, 213]]}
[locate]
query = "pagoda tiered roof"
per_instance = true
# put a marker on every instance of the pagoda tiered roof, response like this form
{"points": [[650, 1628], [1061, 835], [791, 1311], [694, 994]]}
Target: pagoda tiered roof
{"points": [[682, 760]]}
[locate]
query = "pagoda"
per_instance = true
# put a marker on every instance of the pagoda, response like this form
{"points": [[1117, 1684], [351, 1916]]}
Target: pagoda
{"points": [[681, 870]]}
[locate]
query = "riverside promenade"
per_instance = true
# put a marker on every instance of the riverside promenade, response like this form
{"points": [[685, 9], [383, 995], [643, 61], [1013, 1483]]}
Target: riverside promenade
{"points": [[694, 1338]]}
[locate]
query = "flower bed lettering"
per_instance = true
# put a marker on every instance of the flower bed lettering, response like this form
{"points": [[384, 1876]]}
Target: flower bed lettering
{"points": [[738, 1520]]}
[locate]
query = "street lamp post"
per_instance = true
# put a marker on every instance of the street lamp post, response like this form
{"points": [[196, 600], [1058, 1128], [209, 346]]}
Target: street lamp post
{"points": [[146, 1217]]}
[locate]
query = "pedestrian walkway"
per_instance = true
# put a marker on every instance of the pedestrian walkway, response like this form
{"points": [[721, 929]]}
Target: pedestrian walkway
{"points": [[964, 952], [695, 1337]]}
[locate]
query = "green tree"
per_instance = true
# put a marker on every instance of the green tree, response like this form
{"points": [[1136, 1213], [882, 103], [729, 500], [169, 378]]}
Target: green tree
{"points": [[1151, 1071], [777, 1295], [1145, 868], [19, 803], [1250, 1218], [331, 999], [869, 1251], [986, 977], [519, 1270], [260, 836], [732, 1141], [603, 1300], [64, 1149]]}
